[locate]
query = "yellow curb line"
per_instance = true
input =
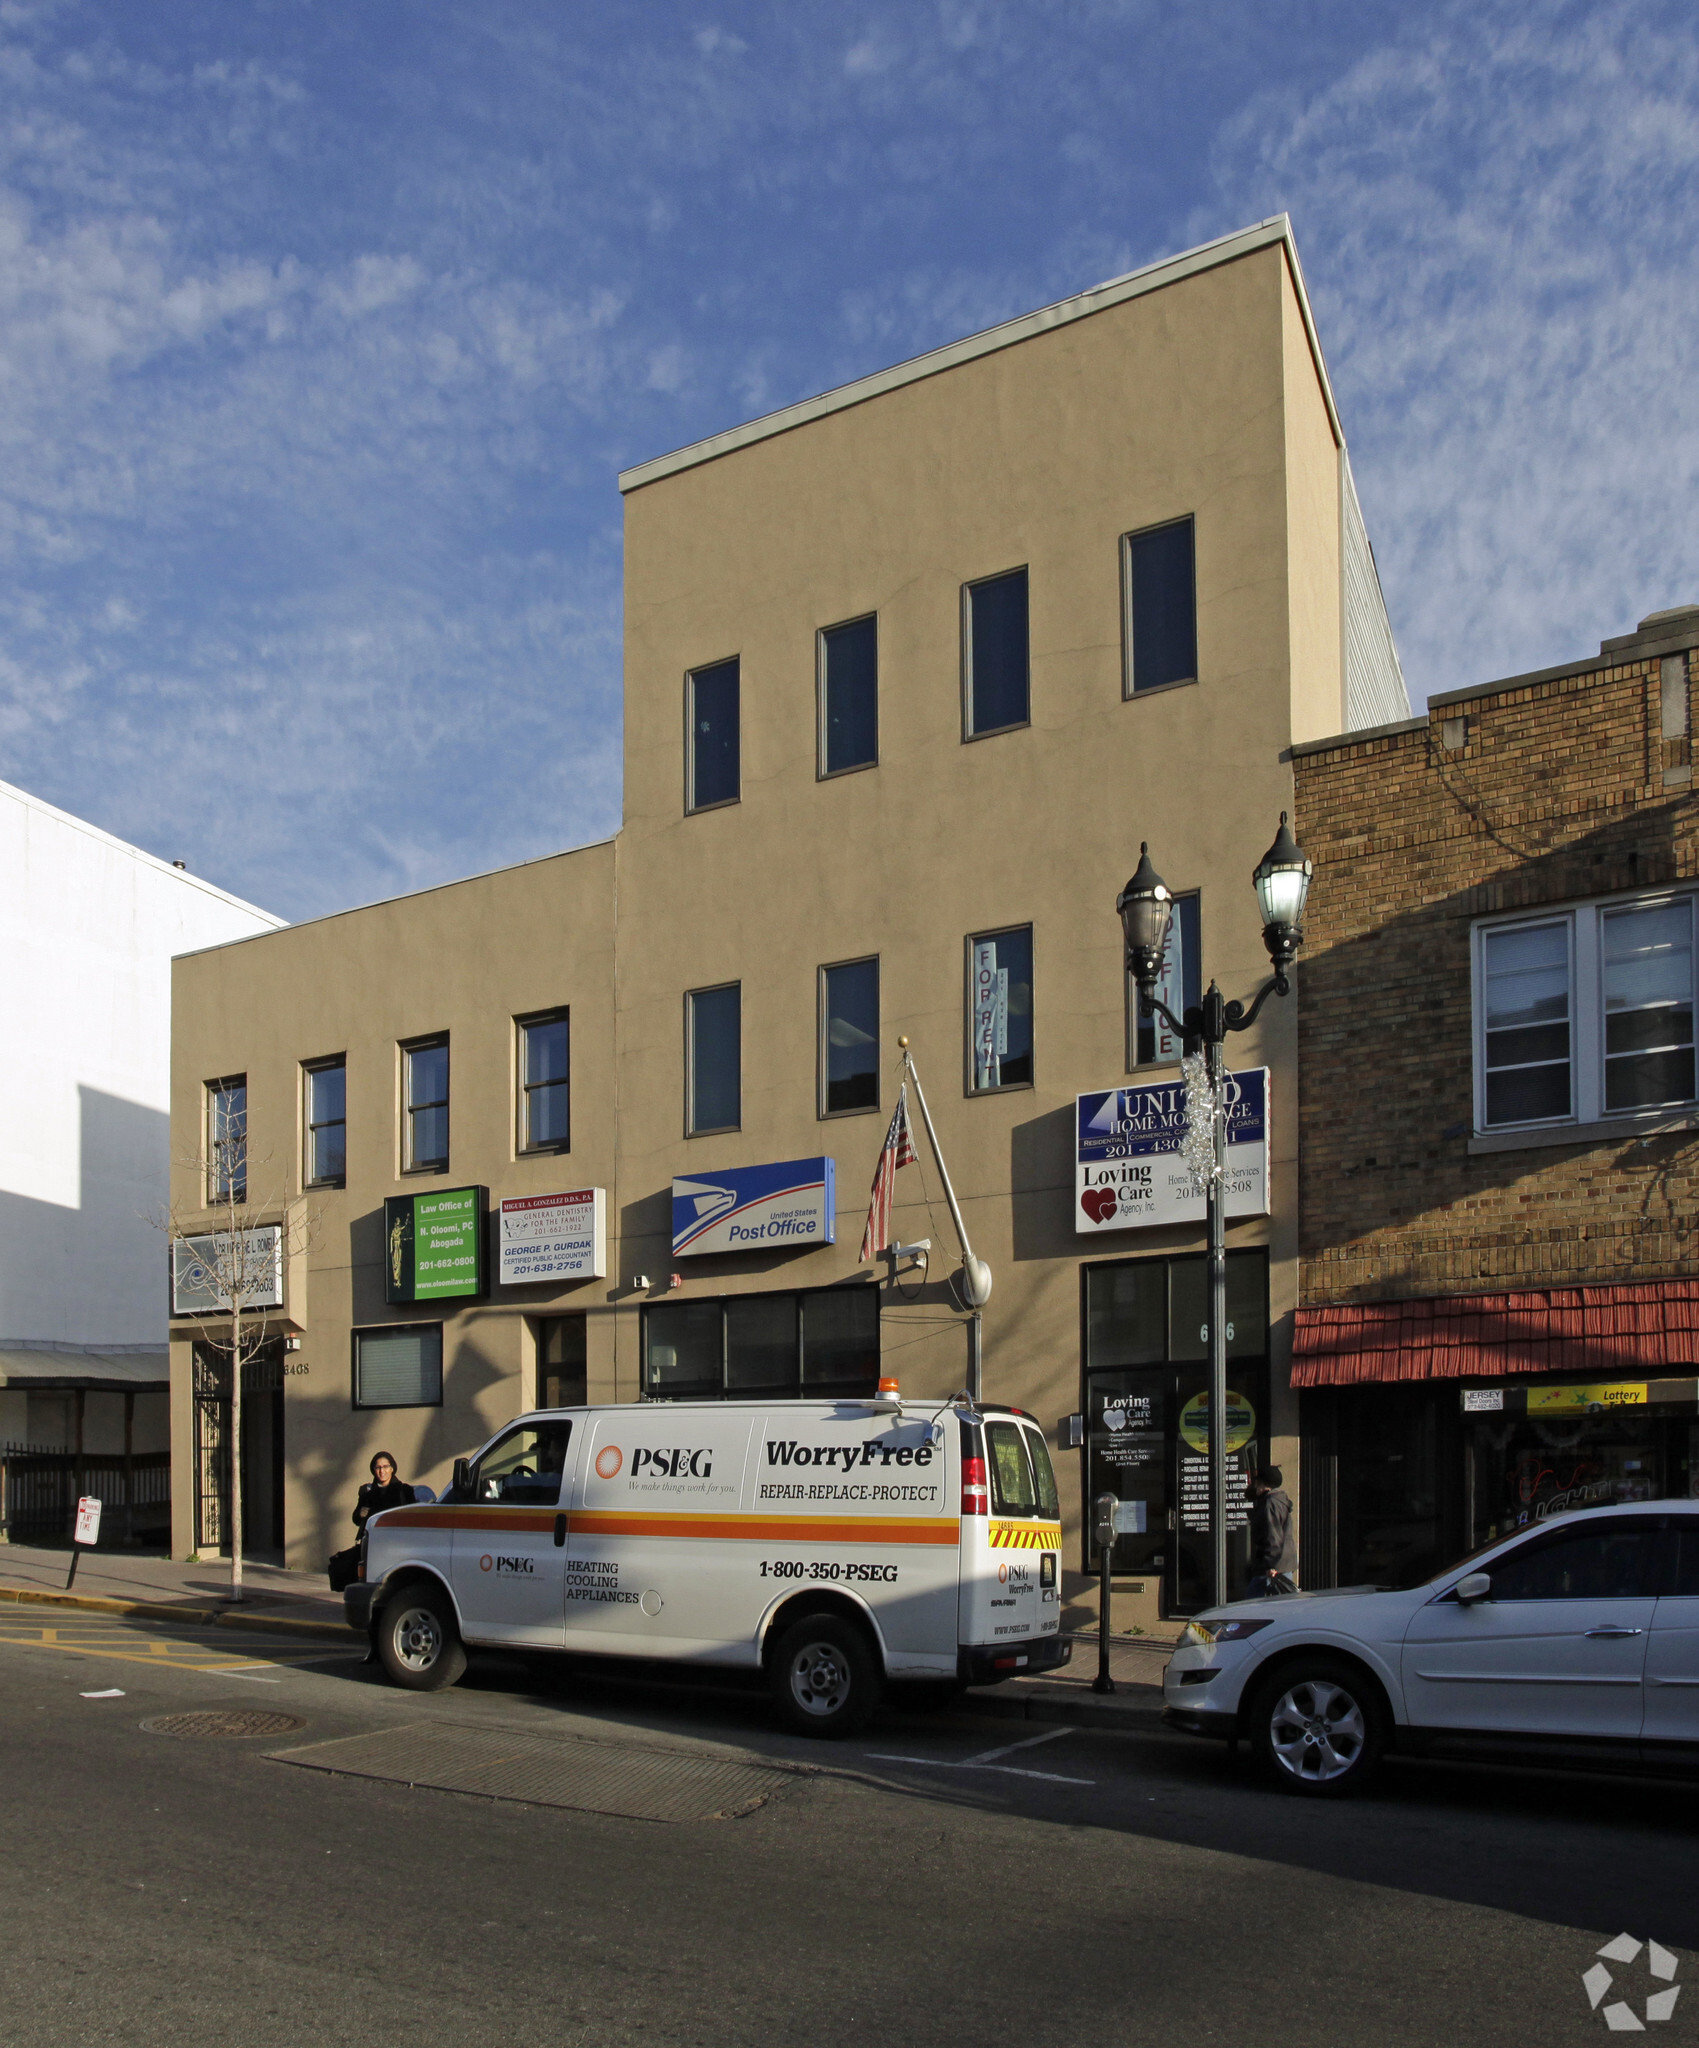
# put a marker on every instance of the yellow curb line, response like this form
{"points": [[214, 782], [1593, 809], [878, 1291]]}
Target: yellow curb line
{"points": [[154, 1610]]}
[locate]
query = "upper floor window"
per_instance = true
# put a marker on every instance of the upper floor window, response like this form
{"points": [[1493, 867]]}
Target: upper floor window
{"points": [[1000, 1009], [425, 1096], [849, 696], [326, 1102], [849, 1037], [227, 1139], [1585, 1015], [711, 696], [1159, 601], [994, 654], [545, 1081], [1151, 1040], [713, 1057]]}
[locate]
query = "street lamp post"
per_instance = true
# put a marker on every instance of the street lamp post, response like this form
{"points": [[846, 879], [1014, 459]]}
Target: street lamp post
{"points": [[1282, 882]]}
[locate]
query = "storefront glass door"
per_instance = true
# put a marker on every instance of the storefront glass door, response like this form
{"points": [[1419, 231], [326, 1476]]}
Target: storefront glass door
{"points": [[1147, 1412]]}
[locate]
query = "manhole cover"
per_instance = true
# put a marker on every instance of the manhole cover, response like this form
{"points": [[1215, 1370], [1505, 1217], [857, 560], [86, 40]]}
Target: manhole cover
{"points": [[216, 1725]]}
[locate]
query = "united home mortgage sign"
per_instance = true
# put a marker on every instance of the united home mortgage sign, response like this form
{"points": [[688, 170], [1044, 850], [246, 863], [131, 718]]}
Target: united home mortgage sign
{"points": [[754, 1208], [1128, 1172]]}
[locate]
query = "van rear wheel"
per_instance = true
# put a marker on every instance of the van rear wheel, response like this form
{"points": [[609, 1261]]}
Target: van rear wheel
{"points": [[419, 1644], [825, 1677]]}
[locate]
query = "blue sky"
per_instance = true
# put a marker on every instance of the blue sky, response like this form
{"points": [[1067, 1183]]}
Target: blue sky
{"points": [[325, 328]]}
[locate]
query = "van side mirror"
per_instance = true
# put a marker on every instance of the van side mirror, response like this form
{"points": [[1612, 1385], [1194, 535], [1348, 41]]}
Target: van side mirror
{"points": [[1477, 1586], [462, 1476]]}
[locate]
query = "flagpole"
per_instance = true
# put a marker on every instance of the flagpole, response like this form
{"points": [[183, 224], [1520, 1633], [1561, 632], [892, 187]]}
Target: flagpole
{"points": [[976, 1275]]}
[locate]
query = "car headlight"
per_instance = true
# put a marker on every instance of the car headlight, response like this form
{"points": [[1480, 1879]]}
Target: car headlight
{"points": [[1199, 1634]]}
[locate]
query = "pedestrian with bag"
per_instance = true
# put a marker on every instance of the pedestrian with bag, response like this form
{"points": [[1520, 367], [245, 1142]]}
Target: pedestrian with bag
{"points": [[1274, 1547]]}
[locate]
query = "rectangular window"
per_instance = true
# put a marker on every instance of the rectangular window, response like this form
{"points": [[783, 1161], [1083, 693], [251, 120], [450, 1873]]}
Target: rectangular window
{"points": [[327, 1123], [1159, 601], [849, 696], [995, 654], [399, 1366], [545, 1072], [1648, 982], [821, 1345], [849, 1037], [425, 1098], [1000, 1009], [711, 696], [714, 1058], [563, 1370], [1586, 1015], [1150, 1040], [227, 1139]]}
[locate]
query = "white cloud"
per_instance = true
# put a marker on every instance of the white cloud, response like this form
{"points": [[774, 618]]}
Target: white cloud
{"points": [[1499, 223]]}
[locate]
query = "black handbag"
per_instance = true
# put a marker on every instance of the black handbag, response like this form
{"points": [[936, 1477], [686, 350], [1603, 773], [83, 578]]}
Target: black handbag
{"points": [[343, 1568]]}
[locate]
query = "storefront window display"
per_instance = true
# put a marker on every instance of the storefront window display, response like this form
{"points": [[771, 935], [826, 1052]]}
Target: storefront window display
{"points": [[1147, 1411]]}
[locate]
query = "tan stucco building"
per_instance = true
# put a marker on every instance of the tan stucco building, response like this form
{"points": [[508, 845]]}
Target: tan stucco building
{"points": [[911, 670]]}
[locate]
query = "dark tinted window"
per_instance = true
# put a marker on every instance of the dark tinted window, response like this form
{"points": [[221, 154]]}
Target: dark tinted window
{"points": [[840, 1340], [849, 1029], [562, 1361], [849, 686], [1161, 607], [545, 1122], [1679, 1576], [714, 765], [1044, 1477], [327, 1125], [716, 1058], [997, 653], [1606, 1563], [752, 1346]]}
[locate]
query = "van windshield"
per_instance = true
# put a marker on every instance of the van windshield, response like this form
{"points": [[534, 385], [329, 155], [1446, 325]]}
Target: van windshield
{"points": [[1048, 1505], [1011, 1476]]}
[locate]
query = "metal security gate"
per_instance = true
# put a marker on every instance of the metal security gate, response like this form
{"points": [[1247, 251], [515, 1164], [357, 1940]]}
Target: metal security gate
{"points": [[39, 1491], [262, 1449]]}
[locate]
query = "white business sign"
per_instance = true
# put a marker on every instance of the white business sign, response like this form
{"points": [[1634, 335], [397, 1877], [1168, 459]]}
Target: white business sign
{"points": [[554, 1237], [1127, 1166], [226, 1269], [990, 1015]]}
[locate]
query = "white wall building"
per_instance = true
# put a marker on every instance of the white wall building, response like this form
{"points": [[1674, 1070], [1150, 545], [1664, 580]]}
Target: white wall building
{"points": [[88, 926]]}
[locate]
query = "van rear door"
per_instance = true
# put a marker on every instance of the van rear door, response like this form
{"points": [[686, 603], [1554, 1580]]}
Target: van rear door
{"points": [[1012, 1594]]}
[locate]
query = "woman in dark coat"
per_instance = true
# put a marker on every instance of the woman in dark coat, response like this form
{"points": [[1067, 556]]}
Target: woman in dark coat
{"points": [[383, 1490]]}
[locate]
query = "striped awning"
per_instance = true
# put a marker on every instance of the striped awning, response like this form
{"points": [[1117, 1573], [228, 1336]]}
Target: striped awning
{"points": [[1633, 1326]]}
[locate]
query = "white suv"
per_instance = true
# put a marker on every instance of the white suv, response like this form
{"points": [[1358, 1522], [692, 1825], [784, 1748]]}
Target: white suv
{"points": [[1574, 1641]]}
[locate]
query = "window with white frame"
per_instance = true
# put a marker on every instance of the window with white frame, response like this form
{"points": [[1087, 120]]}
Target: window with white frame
{"points": [[1585, 1014]]}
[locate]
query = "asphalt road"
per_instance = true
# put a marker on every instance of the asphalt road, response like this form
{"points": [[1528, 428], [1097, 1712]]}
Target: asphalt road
{"points": [[1143, 1889]]}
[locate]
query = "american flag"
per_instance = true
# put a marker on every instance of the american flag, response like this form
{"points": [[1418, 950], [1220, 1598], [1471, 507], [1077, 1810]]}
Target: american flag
{"points": [[898, 1151]]}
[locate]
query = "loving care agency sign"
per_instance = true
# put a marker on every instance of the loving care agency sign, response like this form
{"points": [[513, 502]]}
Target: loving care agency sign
{"points": [[1128, 1172]]}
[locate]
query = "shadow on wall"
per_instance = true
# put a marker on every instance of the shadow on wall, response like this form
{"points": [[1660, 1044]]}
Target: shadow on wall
{"points": [[94, 1274], [1386, 1073]]}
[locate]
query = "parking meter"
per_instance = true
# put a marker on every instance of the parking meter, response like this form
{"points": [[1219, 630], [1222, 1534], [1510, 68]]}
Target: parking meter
{"points": [[1103, 1529]]}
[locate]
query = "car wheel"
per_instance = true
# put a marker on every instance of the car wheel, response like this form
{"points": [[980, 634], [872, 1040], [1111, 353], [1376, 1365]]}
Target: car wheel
{"points": [[1318, 1728], [419, 1645], [825, 1677]]}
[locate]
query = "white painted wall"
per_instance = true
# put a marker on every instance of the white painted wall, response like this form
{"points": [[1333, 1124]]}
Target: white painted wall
{"points": [[88, 926]]}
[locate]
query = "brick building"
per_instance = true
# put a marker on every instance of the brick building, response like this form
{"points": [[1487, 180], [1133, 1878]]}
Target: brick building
{"points": [[1499, 1111]]}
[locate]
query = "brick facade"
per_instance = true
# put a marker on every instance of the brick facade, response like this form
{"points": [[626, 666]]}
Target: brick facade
{"points": [[1562, 786]]}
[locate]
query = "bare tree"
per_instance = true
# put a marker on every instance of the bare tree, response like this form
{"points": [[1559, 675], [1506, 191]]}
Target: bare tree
{"points": [[232, 1271]]}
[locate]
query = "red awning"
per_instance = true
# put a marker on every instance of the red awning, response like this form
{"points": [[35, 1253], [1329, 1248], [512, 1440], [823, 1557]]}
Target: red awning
{"points": [[1635, 1326]]}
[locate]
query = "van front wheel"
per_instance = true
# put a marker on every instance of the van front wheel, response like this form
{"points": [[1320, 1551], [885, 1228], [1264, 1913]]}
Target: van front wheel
{"points": [[825, 1677], [419, 1646]]}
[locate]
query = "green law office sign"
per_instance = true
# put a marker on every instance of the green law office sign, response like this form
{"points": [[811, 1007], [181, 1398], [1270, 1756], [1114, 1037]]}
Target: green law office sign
{"points": [[433, 1245]]}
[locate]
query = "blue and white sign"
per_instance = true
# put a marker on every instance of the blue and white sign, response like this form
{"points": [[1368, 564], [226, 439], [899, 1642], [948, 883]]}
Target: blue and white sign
{"points": [[1128, 1173], [754, 1208]]}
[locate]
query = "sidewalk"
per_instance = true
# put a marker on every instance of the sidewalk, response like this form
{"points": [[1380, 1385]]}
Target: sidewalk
{"points": [[111, 1582]]}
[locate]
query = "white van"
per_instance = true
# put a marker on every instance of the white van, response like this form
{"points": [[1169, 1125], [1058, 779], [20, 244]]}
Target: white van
{"points": [[836, 1545]]}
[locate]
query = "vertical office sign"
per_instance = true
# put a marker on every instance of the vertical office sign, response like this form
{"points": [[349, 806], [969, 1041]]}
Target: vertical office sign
{"points": [[1167, 1043], [1128, 1172], [990, 1014], [434, 1245], [553, 1237]]}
